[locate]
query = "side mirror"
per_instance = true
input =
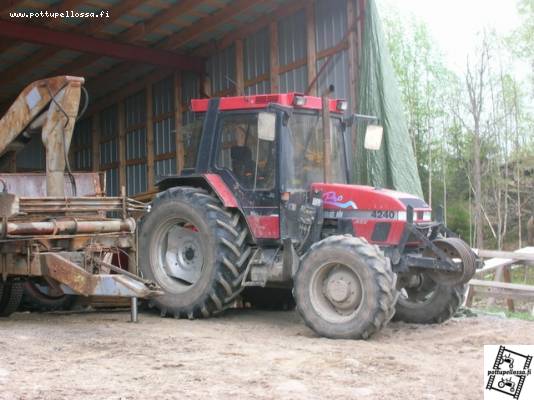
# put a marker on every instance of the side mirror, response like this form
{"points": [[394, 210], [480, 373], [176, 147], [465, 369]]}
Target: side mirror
{"points": [[266, 126], [373, 137]]}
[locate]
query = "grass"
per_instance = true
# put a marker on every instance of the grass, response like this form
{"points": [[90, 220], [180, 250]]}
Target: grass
{"points": [[491, 310]]}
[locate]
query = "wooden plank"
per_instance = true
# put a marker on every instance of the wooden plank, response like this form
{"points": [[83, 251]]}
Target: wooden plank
{"points": [[239, 68], [502, 289], [273, 50], [210, 23], [95, 141], [178, 122], [149, 138], [122, 146], [283, 10], [311, 47], [143, 28], [524, 254], [353, 54]]}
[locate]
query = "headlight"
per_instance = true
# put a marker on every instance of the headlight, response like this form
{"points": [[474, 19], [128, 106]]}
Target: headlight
{"points": [[427, 216]]}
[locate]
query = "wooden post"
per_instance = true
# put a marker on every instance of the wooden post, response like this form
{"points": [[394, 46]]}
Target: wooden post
{"points": [[311, 47], [239, 71], [149, 138], [274, 74], [178, 122], [353, 52], [95, 141], [507, 279], [122, 145]]}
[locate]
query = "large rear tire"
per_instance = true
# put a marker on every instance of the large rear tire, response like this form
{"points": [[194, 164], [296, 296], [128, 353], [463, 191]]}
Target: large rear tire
{"points": [[345, 288], [195, 250], [10, 297]]}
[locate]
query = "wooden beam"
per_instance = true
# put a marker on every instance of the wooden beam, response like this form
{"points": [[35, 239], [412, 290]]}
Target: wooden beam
{"points": [[143, 28], [239, 68], [149, 138], [281, 11], [210, 23], [122, 146], [502, 289], [88, 44], [17, 70], [95, 142], [129, 88], [353, 53], [180, 150], [273, 52], [311, 47]]}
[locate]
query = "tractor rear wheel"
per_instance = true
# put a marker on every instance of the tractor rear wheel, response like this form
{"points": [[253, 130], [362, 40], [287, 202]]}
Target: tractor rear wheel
{"points": [[428, 302], [10, 297], [195, 250], [345, 288]]}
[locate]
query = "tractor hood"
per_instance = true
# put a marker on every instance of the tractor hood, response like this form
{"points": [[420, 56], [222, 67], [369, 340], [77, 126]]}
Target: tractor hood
{"points": [[358, 197]]}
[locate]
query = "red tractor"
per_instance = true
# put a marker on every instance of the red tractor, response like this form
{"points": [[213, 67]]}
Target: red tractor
{"points": [[265, 201]]}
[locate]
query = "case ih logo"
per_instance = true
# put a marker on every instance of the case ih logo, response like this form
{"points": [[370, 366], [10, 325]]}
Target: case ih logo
{"points": [[333, 199], [511, 368]]}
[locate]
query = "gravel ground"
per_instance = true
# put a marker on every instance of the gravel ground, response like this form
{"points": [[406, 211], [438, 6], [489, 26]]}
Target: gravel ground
{"points": [[242, 354]]}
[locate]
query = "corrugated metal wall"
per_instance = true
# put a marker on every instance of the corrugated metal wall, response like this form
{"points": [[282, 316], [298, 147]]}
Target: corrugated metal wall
{"points": [[135, 126], [291, 49], [331, 26], [32, 156], [109, 148], [163, 127], [81, 145], [221, 70], [256, 62]]}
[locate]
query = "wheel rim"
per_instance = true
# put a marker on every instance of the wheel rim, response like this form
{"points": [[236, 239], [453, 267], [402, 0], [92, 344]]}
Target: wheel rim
{"points": [[179, 253], [421, 292], [336, 292]]}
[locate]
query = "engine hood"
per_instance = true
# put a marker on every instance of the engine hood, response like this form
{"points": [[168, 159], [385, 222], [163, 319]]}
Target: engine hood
{"points": [[358, 197]]}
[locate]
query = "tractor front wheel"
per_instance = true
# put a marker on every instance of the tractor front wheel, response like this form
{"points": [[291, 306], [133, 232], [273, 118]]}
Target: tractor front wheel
{"points": [[345, 288], [195, 250]]}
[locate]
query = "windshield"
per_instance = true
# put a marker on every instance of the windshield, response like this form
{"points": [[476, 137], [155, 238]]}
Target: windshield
{"points": [[303, 151]]}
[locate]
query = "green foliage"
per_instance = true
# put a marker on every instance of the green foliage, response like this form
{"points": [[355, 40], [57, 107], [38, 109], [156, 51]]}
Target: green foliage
{"points": [[442, 129], [458, 219]]}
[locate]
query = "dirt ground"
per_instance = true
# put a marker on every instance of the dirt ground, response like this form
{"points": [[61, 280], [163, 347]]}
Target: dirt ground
{"points": [[243, 354]]}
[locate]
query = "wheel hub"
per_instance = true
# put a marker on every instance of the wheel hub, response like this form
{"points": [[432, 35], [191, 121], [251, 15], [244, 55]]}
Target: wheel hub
{"points": [[342, 290], [183, 254]]}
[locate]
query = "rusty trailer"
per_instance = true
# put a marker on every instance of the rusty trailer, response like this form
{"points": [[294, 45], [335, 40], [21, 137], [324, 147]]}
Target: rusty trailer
{"points": [[58, 228]]}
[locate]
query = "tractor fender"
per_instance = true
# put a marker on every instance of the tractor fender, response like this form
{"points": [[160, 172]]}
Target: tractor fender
{"points": [[210, 182]]}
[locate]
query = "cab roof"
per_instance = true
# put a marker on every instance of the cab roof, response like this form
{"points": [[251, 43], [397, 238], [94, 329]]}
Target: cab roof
{"points": [[291, 100]]}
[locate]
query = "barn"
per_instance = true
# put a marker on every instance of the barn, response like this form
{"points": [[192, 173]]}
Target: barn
{"points": [[144, 61]]}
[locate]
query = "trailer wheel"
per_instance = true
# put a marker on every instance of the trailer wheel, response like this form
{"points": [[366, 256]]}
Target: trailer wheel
{"points": [[40, 296], [10, 297], [195, 250], [428, 302], [345, 288]]}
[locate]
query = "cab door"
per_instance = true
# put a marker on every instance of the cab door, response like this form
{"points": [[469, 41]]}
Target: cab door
{"points": [[246, 159]]}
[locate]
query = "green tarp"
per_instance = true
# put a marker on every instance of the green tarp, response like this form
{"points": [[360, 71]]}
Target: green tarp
{"points": [[394, 165]]}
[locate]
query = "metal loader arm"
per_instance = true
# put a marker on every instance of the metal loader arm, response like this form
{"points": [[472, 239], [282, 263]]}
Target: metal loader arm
{"points": [[52, 106]]}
